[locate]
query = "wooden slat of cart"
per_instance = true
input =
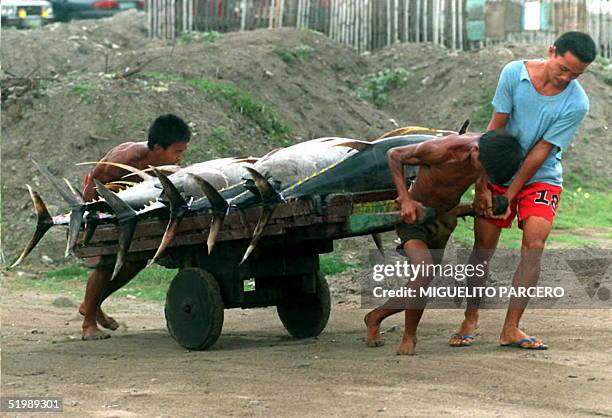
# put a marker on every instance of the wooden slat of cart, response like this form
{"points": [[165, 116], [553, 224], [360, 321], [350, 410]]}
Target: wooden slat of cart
{"points": [[297, 218]]}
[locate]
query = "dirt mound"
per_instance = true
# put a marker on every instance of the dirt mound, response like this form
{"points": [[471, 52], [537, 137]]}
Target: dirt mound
{"points": [[243, 94], [79, 46]]}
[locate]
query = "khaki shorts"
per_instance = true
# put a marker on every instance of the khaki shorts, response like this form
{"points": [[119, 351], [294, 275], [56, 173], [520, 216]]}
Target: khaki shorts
{"points": [[434, 234]]}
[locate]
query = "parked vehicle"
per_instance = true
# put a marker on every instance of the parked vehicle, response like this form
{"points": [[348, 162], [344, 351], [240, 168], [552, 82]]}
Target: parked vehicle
{"points": [[92, 9], [26, 13]]}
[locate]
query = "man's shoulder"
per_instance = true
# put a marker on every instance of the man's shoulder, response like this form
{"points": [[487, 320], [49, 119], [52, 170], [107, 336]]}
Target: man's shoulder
{"points": [[127, 152], [513, 68], [579, 98]]}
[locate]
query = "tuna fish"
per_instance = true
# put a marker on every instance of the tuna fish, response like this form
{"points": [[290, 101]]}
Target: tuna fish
{"points": [[311, 169], [143, 200]]}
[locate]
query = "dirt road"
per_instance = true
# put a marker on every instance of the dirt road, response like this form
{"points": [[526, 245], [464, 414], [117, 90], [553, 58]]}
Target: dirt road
{"points": [[255, 369]]}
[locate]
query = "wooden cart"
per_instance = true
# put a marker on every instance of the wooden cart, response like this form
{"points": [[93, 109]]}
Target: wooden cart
{"points": [[284, 266]]}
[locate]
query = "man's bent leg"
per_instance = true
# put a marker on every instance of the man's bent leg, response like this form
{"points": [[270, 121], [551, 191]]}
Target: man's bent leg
{"points": [[96, 283], [535, 233], [486, 237], [392, 306], [418, 253], [127, 273]]}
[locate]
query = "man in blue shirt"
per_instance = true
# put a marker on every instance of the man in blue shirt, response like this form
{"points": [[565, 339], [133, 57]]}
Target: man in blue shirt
{"points": [[542, 104]]}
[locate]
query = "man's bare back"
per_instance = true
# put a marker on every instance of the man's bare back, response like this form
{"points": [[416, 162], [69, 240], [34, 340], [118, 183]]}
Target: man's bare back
{"points": [[440, 185], [447, 167]]}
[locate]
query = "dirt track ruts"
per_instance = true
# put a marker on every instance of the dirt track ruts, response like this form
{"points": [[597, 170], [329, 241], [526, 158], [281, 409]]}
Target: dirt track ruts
{"points": [[257, 369]]}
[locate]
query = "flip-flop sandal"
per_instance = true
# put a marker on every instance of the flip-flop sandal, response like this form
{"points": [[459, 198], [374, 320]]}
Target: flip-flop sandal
{"points": [[521, 344], [466, 340]]}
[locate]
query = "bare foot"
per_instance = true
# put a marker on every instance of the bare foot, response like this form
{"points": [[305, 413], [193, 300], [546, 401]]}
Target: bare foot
{"points": [[373, 337], [407, 346], [465, 336], [92, 333], [104, 320], [516, 337]]}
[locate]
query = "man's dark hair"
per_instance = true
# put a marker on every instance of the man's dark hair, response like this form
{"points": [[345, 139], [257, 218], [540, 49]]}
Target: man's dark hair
{"points": [[500, 154], [167, 130], [578, 43]]}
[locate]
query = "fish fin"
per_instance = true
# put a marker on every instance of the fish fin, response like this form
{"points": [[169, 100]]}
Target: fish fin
{"points": [[355, 144], [43, 223], [464, 127], [169, 234], [73, 190], [266, 190], [215, 227], [125, 233], [266, 214], [378, 241], [178, 209], [122, 210], [217, 202], [75, 200], [219, 206], [91, 223], [62, 188], [126, 223]]}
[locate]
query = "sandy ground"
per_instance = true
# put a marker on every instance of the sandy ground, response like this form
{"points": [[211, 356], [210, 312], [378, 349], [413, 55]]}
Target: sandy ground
{"points": [[256, 369]]}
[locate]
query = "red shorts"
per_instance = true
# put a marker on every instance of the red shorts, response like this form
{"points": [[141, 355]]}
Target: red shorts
{"points": [[536, 199]]}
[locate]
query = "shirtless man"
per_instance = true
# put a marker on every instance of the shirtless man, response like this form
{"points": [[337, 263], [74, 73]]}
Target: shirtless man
{"points": [[448, 167], [167, 140]]}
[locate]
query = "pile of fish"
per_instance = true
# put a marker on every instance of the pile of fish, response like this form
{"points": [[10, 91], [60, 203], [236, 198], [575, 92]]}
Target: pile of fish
{"points": [[313, 168]]}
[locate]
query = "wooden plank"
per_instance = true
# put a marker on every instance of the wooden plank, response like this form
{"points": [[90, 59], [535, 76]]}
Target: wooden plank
{"points": [[298, 217]]}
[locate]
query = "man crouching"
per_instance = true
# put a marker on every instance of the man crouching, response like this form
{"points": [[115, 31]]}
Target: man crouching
{"points": [[168, 138], [448, 166]]}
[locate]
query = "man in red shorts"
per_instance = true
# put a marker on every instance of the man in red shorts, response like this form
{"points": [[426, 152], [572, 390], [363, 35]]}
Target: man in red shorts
{"points": [[542, 104]]}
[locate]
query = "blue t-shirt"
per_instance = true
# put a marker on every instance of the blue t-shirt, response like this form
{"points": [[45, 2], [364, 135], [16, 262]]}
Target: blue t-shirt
{"points": [[534, 116]]}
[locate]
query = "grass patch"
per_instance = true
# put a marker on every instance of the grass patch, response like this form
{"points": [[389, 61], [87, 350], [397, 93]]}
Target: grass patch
{"points": [[150, 284], [480, 102], [217, 140], [84, 91], [245, 103], [240, 101], [299, 53], [163, 76], [190, 37], [602, 67], [331, 264], [376, 88]]}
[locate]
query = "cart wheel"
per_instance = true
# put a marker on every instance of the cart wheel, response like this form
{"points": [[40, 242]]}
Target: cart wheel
{"points": [[194, 309], [306, 315]]}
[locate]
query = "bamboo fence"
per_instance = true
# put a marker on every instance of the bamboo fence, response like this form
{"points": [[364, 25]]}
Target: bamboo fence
{"points": [[368, 25]]}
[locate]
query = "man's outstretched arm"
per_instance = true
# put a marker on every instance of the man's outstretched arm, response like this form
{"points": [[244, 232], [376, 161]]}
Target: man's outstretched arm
{"points": [[483, 200], [426, 153], [534, 160]]}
